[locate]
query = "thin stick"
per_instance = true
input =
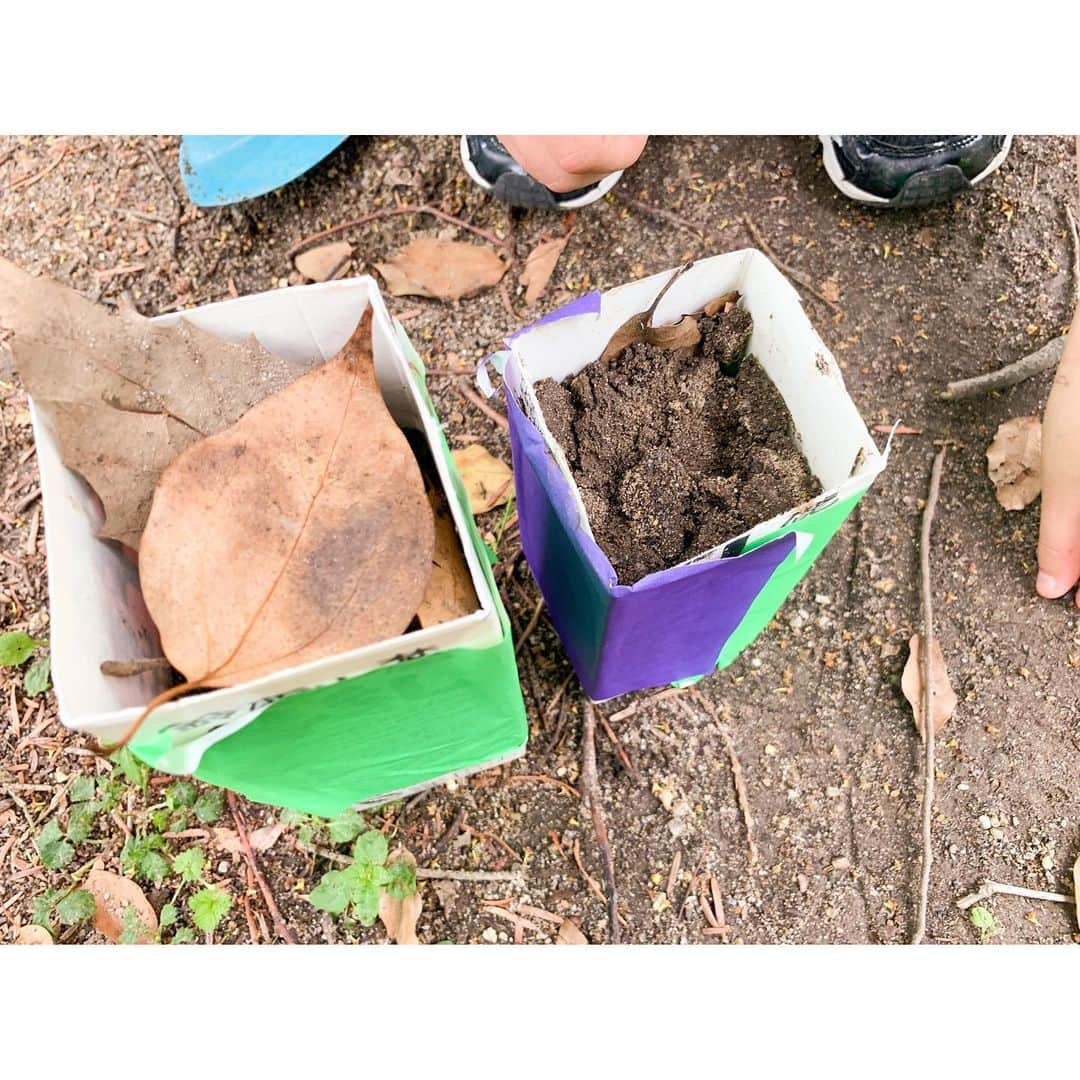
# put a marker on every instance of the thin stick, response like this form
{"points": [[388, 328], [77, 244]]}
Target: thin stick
{"points": [[542, 779], [1033, 364], [624, 757], [741, 792], [475, 399], [795, 275], [392, 211], [590, 788], [122, 669], [280, 927], [659, 214], [992, 888], [28, 181], [530, 626], [926, 650]]}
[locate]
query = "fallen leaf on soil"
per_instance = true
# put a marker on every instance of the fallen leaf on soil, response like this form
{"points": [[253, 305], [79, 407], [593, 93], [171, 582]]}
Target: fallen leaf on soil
{"points": [[639, 327], [830, 290], [301, 532], [539, 266], [443, 269], [112, 894], [262, 839], [32, 934], [399, 916], [320, 263], [1014, 462], [448, 894], [943, 700], [125, 396], [450, 593], [488, 481], [570, 934]]}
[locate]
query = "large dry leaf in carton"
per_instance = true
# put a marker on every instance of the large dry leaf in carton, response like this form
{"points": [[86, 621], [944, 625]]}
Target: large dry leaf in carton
{"points": [[1014, 461], [450, 593], [488, 481], [639, 329], [301, 532], [442, 269], [112, 895], [539, 266], [943, 699], [399, 914], [126, 396]]}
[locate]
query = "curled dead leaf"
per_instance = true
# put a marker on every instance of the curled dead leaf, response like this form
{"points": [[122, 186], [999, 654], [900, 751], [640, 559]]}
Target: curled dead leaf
{"points": [[943, 699], [721, 303], [539, 266], [442, 269], [32, 934], [322, 262], [450, 593], [301, 532], [112, 895], [399, 916], [262, 839], [638, 327], [126, 396], [488, 481], [830, 290], [570, 934], [1014, 462], [681, 335]]}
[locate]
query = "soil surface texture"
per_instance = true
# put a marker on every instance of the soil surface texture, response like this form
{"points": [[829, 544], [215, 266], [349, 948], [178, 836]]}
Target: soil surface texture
{"points": [[674, 450], [905, 300]]}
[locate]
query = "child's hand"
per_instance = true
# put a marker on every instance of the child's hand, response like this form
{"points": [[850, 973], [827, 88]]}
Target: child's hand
{"points": [[569, 162], [1059, 531]]}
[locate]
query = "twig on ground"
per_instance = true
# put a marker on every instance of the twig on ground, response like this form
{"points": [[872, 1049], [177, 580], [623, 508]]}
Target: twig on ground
{"points": [[444, 841], [1033, 364], [741, 792], [510, 916], [624, 757], [660, 214], [795, 275], [673, 875], [530, 626], [123, 669], [926, 651], [253, 932], [540, 778], [177, 201], [25, 502], [393, 211], [992, 888], [652, 699], [29, 181], [590, 789], [280, 927], [474, 398]]}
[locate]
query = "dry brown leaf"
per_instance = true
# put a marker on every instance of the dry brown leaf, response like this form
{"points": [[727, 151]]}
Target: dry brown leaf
{"points": [[830, 290], [570, 934], [721, 303], [681, 335], [1014, 461], [262, 839], [32, 934], [112, 894], [399, 916], [450, 593], [443, 269], [125, 396], [320, 263], [639, 328], [943, 700], [301, 532], [539, 266], [488, 481]]}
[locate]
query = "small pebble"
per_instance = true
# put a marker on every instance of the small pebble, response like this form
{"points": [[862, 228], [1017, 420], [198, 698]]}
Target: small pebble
{"points": [[490, 935], [985, 821]]}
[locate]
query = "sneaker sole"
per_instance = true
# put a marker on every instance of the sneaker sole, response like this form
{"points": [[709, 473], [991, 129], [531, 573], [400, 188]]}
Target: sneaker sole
{"points": [[529, 194], [836, 175]]}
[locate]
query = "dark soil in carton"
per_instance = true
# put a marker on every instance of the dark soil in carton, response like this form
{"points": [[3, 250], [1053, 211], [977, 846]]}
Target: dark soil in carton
{"points": [[676, 452]]}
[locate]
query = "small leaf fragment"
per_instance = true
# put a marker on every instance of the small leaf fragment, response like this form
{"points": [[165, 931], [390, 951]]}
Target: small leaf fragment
{"points": [[721, 303], [1014, 462], [441, 269], [488, 481], [681, 335], [15, 647], [539, 266], [76, 907], [570, 934], [320, 263], [943, 699], [36, 679], [33, 934], [113, 895], [400, 905]]}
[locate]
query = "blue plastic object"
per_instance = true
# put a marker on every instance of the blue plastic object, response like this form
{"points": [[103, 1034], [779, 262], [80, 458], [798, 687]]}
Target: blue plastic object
{"points": [[221, 169]]}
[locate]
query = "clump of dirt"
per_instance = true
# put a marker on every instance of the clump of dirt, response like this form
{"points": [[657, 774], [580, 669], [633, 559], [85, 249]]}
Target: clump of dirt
{"points": [[676, 451]]}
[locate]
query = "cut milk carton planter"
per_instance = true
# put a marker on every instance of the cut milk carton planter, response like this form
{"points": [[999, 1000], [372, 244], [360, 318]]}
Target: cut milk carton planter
{"points": [[358, 728], [678, 624]]}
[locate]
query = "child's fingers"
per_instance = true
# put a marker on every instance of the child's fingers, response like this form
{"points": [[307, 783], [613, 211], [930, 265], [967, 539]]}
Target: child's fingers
{"points": [[568, 162], [1059, 543]]}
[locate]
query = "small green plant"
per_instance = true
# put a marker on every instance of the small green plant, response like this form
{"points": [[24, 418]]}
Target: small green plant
{"points": [[208, 907], [358, 887], [16, 647], [983, 920], [66, 906]]}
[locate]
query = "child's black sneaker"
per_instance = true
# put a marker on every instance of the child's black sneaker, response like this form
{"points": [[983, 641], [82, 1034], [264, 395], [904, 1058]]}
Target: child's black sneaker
{"points": [[490, 165], [910, 170]]}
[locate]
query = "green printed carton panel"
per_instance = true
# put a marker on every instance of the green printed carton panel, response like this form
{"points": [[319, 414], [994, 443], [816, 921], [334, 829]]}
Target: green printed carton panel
{"points": [[359, 727]]}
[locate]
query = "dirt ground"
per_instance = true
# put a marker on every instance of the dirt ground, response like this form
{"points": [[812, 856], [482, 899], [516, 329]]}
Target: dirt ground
{"points": [[825, 739]]}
